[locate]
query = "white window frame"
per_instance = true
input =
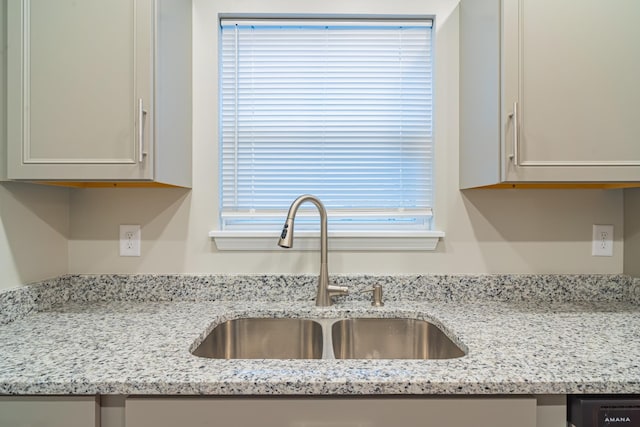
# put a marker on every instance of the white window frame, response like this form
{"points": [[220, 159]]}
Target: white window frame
{"points": [[378, 240]]}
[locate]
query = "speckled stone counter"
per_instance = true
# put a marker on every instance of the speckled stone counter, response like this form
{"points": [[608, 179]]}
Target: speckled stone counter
{"points": [[132, 335]]}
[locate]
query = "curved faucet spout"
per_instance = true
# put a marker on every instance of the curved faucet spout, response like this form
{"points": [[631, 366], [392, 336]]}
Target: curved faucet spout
{"points": [[286, 238], [325, 291]]}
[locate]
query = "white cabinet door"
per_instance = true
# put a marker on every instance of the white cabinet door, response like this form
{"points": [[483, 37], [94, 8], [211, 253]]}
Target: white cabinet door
{"points": [[578, 96], [550, 90], [99, 90], [331, 412], [32, 411], [78, 71]]}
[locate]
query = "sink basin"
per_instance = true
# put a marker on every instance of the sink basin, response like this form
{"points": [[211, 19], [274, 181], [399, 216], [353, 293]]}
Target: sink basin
{"points": [[263, 338], [391, 339], [356, 338]]}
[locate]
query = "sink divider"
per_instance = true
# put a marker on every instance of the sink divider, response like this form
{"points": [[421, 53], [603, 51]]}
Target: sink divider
{"points": [[327, 337]]}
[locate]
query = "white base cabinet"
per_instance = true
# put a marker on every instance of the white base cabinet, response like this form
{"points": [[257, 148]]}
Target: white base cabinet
{"points": [[49, 411], [332, 412], [283, 411], [548, 92], [99, 91]]}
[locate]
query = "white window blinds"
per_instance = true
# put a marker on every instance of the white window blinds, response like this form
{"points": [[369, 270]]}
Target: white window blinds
{"points": [[341, 110]]}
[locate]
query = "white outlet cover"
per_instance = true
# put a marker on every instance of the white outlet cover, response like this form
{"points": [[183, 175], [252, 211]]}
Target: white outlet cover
{"points": [[130, 237], [602, 240]]}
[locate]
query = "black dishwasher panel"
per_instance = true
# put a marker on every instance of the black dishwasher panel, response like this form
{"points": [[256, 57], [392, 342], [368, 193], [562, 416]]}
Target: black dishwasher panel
{"points": [[604, 410]]}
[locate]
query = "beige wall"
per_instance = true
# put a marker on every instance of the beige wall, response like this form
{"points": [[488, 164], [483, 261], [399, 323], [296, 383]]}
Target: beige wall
{"points": [[45, 232], [34, 231], [632, 232], [516, 231]]}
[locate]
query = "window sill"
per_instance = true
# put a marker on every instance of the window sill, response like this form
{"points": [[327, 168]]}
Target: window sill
{"points": [[338, 241]]}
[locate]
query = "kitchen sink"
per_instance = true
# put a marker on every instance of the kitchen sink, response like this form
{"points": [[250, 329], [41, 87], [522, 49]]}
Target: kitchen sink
{"points": [[263, 338], [356, 338], [391, 339]]}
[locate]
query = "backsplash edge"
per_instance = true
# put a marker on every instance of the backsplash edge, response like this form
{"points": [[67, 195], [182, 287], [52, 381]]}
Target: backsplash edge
{"points": [[16, 303]]}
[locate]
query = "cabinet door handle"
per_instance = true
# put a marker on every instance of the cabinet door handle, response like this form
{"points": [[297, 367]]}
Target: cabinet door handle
{"points": [[142, 113], [516, 131]]}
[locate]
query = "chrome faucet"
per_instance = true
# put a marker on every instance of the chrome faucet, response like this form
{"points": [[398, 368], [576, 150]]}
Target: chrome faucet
{"points": [[325, 290]]}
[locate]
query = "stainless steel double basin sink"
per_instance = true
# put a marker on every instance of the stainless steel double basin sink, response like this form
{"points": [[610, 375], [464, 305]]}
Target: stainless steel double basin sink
{"points": [[353, 338]]}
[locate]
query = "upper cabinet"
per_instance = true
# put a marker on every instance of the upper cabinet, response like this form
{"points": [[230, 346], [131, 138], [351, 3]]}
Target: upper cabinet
{"points": [[99, 91], [549, 92]]}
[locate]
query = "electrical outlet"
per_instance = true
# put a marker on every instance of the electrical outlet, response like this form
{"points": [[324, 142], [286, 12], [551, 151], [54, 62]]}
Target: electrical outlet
{"points": [[130, 237], [602, 241]]}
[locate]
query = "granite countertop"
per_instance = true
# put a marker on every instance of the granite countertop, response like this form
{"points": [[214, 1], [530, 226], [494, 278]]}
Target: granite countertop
{"points": [[132, 335]]}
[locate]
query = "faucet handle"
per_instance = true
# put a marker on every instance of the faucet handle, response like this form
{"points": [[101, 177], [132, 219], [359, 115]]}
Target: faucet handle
{"points": [[377, 295], [337, 290]]}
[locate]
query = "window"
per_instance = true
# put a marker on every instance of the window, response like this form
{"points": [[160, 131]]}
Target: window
{"points": [[339, 109]]}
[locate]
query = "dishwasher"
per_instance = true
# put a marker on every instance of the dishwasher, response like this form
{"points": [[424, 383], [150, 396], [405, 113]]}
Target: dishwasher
{"points": [[603, 411]]}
